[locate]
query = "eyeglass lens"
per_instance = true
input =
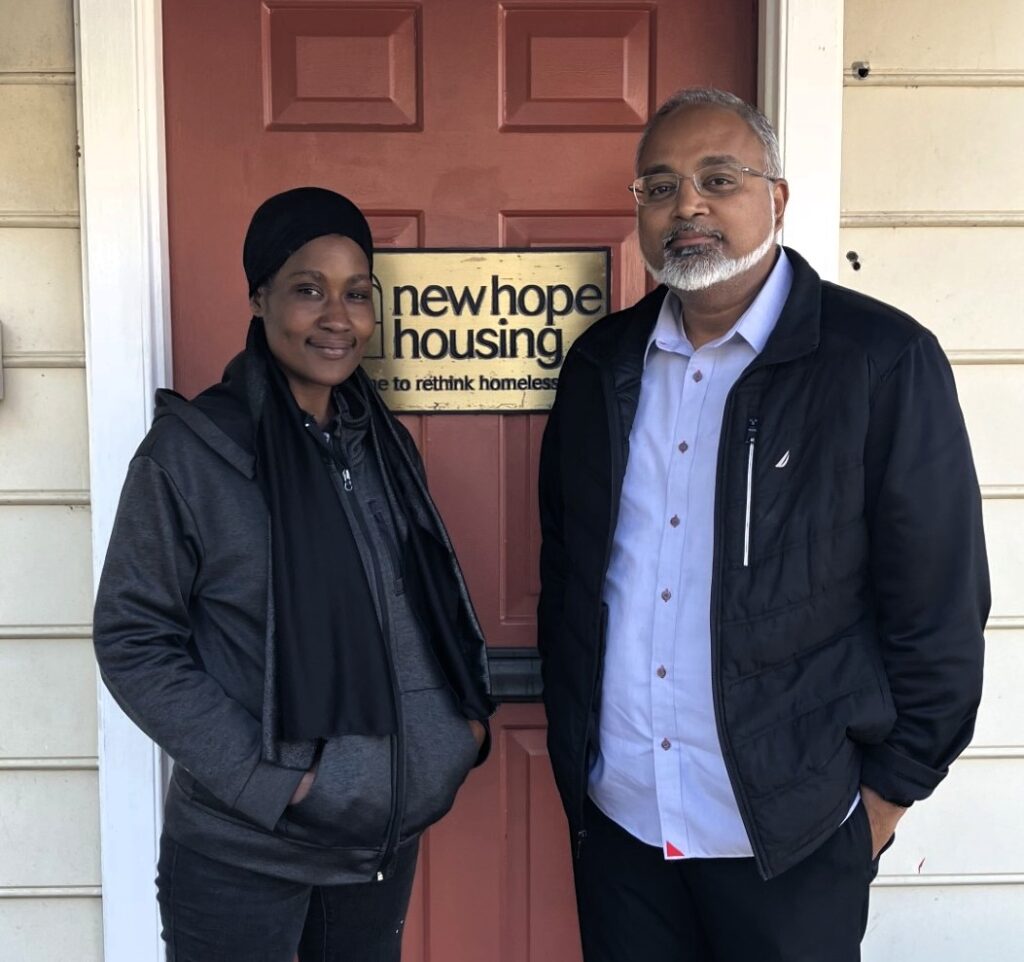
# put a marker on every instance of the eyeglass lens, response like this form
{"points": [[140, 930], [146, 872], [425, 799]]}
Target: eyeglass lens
{"points": [[714, 181]]}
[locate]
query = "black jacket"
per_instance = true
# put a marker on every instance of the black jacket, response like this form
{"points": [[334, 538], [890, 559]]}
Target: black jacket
{"points": [[184, 636], [847, 647]]}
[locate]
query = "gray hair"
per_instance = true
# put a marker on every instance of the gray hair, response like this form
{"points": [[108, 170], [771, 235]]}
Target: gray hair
{"points": [[711, 97]]}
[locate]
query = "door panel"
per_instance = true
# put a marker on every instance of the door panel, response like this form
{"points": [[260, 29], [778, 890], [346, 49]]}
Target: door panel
{"points": [[453, 123]]}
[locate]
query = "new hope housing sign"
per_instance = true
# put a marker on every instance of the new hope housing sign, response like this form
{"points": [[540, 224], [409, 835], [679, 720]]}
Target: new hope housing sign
{"points": [[479, 330]]}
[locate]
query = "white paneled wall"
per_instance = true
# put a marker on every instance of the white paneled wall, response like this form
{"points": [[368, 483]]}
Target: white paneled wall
{"points": [[908, 37], [953, 279], [920, 163], [41, 280], [49, 821], [47, 929], [934, 211]]}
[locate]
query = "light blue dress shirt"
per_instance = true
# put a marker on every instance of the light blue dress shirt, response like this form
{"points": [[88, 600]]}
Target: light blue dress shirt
{"points": [[660, 773]]}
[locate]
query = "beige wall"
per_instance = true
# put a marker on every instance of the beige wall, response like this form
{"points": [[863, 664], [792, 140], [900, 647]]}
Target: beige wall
{"points": [[49, 846], [934, 208]]}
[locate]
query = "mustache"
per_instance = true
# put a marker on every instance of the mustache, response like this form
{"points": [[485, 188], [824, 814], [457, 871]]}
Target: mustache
{"points": [[689, 227]]}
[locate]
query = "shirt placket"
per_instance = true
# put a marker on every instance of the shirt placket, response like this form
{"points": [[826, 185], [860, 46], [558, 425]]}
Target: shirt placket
{"points": [[669, 755]]}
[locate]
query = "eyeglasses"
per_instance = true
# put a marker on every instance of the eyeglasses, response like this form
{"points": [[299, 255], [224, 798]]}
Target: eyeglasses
{"points": [[715, 180]]}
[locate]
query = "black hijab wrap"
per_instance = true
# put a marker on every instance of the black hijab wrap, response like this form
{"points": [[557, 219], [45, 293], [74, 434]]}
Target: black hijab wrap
{"points": [[285, 222], [333, 675]]}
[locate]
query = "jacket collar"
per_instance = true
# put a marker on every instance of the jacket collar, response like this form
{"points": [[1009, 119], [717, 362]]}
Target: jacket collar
{"points": [[214, 426], [798, 330], [620, 348]]}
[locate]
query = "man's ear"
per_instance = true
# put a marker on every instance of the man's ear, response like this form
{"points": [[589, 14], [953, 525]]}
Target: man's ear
{"points": [[780, 197]]}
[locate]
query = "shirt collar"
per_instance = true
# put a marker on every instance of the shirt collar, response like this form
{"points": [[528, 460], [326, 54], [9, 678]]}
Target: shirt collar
{"points": [[755, 325]]}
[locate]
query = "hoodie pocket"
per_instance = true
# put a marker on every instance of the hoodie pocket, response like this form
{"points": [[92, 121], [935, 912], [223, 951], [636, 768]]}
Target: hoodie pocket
{"points": [[349, 804], [440, 751]]}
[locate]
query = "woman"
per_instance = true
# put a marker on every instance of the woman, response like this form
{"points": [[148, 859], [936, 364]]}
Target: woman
{"points": [[282, 612]]}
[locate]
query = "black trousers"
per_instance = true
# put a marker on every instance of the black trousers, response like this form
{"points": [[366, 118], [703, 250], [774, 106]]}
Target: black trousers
{"points": [[636, 907], [212, 912]]}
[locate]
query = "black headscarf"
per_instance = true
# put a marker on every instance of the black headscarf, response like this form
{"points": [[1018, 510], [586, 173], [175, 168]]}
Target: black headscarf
{"points": [[332, 673], [285, 222]]}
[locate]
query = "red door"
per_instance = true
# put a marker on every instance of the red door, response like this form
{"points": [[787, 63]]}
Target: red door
{"points": [[452, 123]]}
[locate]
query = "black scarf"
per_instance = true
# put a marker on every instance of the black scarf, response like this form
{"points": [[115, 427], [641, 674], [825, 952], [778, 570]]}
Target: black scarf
{"points": [[332, 671]]}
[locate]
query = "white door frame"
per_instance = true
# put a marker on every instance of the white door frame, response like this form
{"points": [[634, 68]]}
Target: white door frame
{"points": [[127, 357], [127, 320]]}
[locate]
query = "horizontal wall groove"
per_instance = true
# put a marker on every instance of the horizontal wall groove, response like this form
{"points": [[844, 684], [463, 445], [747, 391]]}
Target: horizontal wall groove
{"points": [[85, 763], [43, 359], [30, 218], [1002, 492], [941, 77], [41, 497], [44, 632], [50, 892], [932, 218], [1014, 356], [1005, 752], [37, 77], [1000, 878]]}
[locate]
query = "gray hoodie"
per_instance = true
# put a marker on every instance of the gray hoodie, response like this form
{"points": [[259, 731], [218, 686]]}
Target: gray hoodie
{"points": [[184, 636]]}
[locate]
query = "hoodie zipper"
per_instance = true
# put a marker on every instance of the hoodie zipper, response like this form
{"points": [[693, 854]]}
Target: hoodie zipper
{"points": [[353, 513], [752, 426]]}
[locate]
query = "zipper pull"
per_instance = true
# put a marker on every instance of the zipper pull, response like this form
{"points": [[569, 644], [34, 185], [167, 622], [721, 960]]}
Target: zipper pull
{"points": [[752, 426], [581, 837], [346, 477], [380, 876]]}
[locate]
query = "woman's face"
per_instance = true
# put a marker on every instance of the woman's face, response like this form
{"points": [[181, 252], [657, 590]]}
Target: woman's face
{"points": [[318, 314]]}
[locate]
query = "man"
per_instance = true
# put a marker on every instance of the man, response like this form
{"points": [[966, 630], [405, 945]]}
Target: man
{"points": [[763, 574]]}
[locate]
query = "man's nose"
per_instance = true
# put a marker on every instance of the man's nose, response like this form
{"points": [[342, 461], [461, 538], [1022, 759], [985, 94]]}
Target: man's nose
{"points": [[688, 202]]}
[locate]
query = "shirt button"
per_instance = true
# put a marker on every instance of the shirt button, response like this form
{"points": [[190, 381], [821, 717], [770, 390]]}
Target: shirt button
{"points": [[674, 521], [661, 673], [697, 376], [666, 744], [666, 595], [683, 447]]}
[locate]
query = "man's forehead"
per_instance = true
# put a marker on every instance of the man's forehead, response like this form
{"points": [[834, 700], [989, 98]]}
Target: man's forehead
{"points": [[708, 160], [706, 134]]}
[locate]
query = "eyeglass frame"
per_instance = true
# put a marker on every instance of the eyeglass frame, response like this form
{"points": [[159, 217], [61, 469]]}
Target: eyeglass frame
{"points": [[692, 177]]}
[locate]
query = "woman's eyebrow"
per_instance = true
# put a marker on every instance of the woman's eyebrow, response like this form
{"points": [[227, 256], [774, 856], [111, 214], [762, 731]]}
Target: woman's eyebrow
{"points": [[318, 276]]}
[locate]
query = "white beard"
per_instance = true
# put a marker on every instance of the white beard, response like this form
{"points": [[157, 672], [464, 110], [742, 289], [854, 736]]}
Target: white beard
{"points": [[705, 267]]}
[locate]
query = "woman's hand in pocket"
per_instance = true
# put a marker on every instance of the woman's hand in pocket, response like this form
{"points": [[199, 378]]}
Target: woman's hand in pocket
{"points": [[304, 787], [478, 730]]}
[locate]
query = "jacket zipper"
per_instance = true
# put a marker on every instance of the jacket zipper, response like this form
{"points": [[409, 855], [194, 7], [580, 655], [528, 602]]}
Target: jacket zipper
{"points": [[752, 426], [716, 586], [353, 512]]}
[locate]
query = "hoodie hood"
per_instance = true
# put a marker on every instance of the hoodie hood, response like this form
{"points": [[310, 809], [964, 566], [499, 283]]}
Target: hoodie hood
{"points": [[218, 417]]}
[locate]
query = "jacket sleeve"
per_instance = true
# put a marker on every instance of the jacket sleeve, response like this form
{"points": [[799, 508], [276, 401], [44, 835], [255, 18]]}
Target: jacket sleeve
{"points": [[552, 516], [929, 572], [142, 636]]}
